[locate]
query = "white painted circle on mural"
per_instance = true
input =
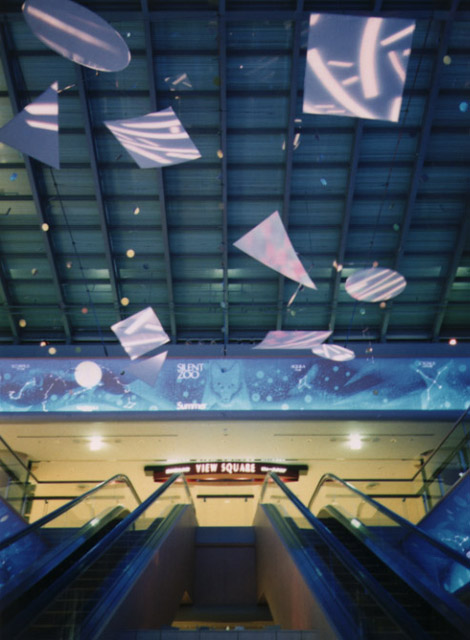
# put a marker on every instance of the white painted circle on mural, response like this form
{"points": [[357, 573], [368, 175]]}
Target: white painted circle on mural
{"points": [[88, 374]]}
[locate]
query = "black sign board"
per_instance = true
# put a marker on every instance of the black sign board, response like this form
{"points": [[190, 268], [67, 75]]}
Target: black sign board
{"points": [[226, 471]]}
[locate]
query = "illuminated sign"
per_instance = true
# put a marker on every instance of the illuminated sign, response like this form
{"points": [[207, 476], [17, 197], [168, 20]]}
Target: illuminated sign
{"points": [[226, 471], [223, 385]]}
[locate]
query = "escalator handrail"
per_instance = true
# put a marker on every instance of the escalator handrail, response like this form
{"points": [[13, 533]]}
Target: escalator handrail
{"points": [[93, 554], [120, 477], [402, 522], [464, 415], [448, 605], [368, 582], [128, 521]]}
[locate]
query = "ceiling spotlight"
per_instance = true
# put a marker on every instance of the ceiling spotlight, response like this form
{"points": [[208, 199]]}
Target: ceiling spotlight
{"points": [[355, 441], [96, 443], [22, 323], [124, 302], [130, 253], [453, 342], [45, 226], [52, 351]]}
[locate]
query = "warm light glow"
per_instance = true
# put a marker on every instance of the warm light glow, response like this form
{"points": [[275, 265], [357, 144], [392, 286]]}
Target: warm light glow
{"points": [[320, 69], [52, 351], [350, 80], [396, 64], [45, 226], [367, 59], [355, 442], [39, 124], [43, 108], [339, 63], [453, 342], [62, 26], [22, 323], [398, 35], [96, 443], [130, 253], [125, 302]]}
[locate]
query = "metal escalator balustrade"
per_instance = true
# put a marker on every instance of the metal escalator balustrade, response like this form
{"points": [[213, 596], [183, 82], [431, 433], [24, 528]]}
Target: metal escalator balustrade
{"points": [[34, 554], [327, 552], [89, 593], [29, 553], [24, 491], [423, 562], [414, 497]]}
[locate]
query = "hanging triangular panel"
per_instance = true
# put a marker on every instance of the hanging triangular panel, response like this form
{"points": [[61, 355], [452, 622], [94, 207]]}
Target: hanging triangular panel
{"points": [[35, 130], [269, 243]]}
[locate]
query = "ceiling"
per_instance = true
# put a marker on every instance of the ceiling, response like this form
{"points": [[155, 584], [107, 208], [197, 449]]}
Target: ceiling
{"points": [[294, 441], [351, 192]]}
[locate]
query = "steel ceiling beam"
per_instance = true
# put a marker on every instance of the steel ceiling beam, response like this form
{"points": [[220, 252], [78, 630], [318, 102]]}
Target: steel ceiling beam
{"points": [[463, 236], [413, 10], [8, 304], [222, 42], [33, 179], [297, 19], [86, 112], [446, 29], [354, 164], [348, 202], [159, 172]]}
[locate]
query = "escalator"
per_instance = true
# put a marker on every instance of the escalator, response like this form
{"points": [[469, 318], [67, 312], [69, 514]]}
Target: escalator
{"points": [[412, 566], [313, 574], [62, 591]]}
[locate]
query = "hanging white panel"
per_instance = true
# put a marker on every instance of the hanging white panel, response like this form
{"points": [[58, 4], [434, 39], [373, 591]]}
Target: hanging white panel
{"points": [[77, 34], [140, 333], [356, 66], [155, 139], [35, 130], [269, 243]]}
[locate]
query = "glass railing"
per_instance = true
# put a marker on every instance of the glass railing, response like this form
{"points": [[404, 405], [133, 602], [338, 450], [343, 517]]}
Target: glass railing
{"points": [[355, 603], [43, 545], [450, 460], [30, 496], [423, 562], [414, 497], [70, 600], [400, 496], [15, 487]]}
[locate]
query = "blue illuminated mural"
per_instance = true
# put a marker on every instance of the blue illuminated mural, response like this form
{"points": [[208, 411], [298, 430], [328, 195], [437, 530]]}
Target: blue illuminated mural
{"points": [[236, 384]]}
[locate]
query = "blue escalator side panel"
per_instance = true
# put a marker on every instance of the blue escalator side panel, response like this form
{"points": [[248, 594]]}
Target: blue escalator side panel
{"points": [[17, 556], [449, 522], [10, 520]]}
